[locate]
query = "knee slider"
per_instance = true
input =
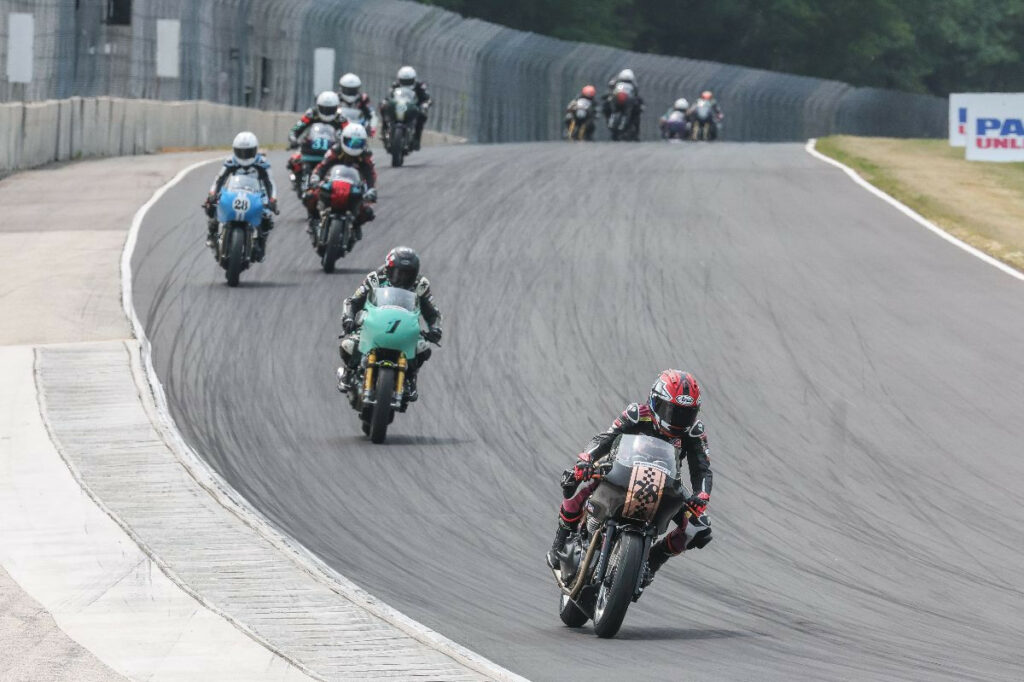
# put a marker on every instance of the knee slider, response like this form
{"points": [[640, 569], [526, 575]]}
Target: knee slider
{"points": [[348, 345]]}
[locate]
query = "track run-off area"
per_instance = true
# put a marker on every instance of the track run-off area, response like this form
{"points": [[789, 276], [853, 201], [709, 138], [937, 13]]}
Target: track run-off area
{"points": [[863, 404]]}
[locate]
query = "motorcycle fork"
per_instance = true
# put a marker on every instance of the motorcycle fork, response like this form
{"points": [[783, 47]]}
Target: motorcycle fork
{"points": [[606, 550], [638, 588], [371, 362], [403, 365]]}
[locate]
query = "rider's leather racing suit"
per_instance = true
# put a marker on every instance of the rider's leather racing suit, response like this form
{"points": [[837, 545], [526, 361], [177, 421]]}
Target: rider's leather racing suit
{"points": [[422, 100], [261, 167], [693, 447], [367, 170], [349, 345]]}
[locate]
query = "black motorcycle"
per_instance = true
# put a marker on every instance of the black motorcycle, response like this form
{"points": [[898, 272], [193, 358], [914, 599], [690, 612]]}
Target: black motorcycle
{"points": [[400, 113], [603, 568], [623, 118]]}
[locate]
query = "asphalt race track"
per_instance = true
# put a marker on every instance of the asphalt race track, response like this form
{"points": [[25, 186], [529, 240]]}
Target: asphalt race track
{"points": [[864, 397]]}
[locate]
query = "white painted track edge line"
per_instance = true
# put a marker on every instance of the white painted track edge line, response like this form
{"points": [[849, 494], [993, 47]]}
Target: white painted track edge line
{"points": [[911, 213], [234, 502]]}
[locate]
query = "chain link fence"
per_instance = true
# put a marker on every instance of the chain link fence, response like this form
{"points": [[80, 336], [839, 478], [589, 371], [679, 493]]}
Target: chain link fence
{"points": [[490, 84]]}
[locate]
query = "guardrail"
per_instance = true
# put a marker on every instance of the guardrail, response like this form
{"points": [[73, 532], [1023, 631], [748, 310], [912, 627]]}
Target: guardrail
{"points": [[36, 133], [491, 84]]}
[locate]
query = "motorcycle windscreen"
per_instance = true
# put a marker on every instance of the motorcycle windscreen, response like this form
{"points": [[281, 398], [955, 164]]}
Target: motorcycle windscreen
{"points": [[317, 141], [630, 450], [241, 200], [354, 115], [346, 186], [391, 321]]}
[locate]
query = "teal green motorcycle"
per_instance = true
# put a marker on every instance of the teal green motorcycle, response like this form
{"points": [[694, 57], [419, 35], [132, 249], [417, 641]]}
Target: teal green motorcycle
{"points": [[389, 337]]}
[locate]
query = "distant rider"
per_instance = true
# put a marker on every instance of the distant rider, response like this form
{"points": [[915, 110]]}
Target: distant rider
{"points": [[245, 159], [401, 269], [709, 97], [589, 92], [324, 111], [350, 150], [624, 76], [681, 106], [407, 79], [670, 414], [349, 90]]}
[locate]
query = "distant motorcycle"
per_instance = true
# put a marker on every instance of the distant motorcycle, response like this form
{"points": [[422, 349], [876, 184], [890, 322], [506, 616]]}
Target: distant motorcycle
{"points": [[400, 115], [581, 120], [603, 567], [239, 212], [623, 121], [354, 115], [388, 340], [705, 123], [312, 148], [675, 126], [336, 233]]}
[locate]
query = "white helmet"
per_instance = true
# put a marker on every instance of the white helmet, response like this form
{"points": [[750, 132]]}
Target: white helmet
{"points": [[407, 76], [353, 139], [681, 104], [349, 85], [626, 75], [327, 105], [244, 148]]}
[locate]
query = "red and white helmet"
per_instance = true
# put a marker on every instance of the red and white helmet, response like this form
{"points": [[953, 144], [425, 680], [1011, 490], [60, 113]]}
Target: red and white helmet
{"points": [[675, 402]]}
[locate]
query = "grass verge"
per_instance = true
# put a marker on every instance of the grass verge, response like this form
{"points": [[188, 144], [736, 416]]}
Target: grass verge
{"points": [[979, 203]]}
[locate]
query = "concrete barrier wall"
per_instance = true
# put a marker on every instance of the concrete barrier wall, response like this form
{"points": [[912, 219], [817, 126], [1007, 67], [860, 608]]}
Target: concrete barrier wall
{"points": [[490, 83], [36, 133]]}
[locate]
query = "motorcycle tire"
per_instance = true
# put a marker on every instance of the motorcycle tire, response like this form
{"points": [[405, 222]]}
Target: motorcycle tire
{"points": [[337, 238], [571, 614], [615, 595], [235, 261], [382, 410], [398, 147]]}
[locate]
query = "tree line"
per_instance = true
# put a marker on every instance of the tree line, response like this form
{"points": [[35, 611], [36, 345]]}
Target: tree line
{"points": [[927, 46]]}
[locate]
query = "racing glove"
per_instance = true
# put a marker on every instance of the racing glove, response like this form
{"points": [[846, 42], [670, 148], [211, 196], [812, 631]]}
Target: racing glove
{"points": [[272, 204], [698, 504], [293, 142], [433, 335], [371, 195]]}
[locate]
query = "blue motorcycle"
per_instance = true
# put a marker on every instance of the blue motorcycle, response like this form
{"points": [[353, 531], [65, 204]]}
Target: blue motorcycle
{"points": [[239, 212]]}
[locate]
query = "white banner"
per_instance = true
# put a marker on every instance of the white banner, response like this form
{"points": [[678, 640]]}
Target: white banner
{"points": [[995, 127], [958, 118], [20, 37], [168, 48], [323, 69]]}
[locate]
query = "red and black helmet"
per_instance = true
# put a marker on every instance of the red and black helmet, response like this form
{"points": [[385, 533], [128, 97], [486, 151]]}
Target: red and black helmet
{"points": [[675, 402], [402, 267]]}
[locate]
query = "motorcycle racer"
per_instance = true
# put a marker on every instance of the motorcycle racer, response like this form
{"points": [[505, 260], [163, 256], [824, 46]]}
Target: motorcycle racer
{"points": [[589, 92], [245, 159], [324, 111], [401, 269], [681, 106], [352, 151], [349, 87], [624, 76], [709, 97], [669, 414], [406, 78]]}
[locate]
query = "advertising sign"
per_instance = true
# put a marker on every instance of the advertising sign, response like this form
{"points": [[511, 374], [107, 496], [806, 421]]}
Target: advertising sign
{"points": [[995, 128], [958, 118]]}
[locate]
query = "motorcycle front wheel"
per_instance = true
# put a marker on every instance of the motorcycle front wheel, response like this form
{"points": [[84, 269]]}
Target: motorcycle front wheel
{"points": [[616, 592], [337, 239], [235, 256], [398, 147], [382, 410]]}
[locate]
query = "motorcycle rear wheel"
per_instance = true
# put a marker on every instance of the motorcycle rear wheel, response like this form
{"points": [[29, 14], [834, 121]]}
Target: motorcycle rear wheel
{"points": [[616, 593], [382, 411]]}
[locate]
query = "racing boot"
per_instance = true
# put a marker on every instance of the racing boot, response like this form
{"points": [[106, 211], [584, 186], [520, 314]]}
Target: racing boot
{"points": [[411, 394], [561, 535], [346, 376], [655, 560], [211, 233]]}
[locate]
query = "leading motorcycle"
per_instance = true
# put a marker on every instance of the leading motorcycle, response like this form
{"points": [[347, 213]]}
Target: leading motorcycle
{"points": [[389, 339], [603, 567], [312, 148]]}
